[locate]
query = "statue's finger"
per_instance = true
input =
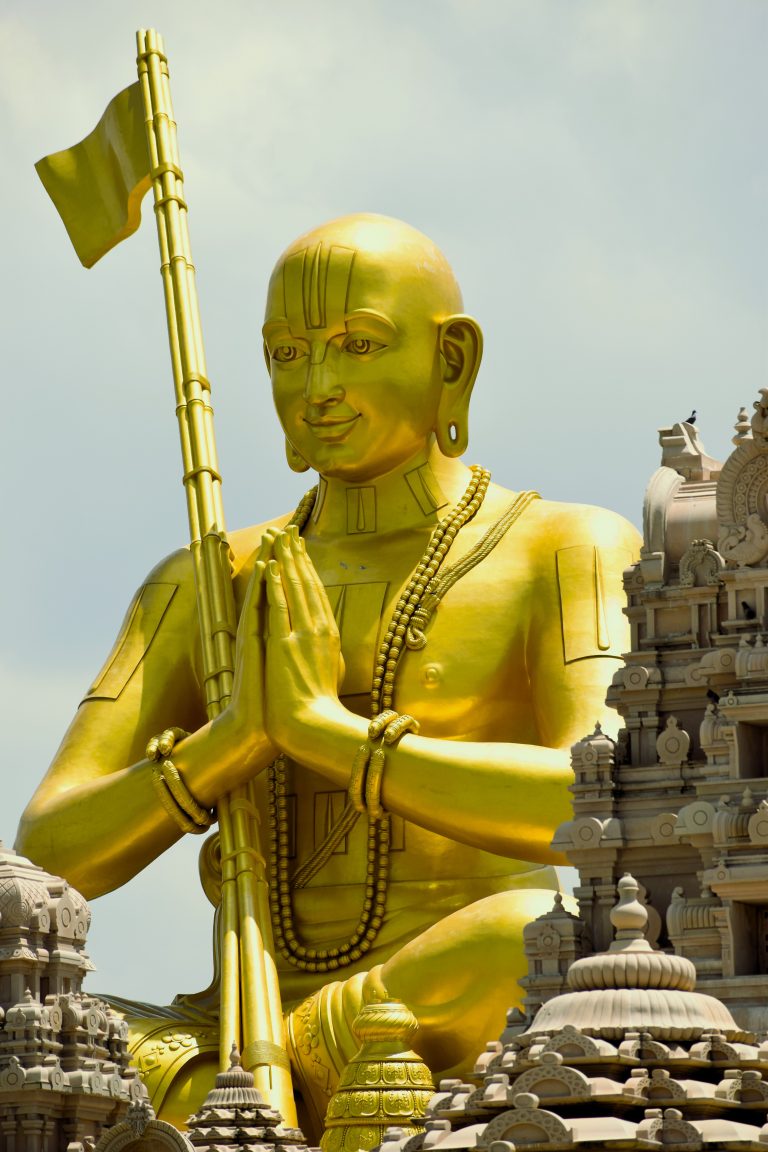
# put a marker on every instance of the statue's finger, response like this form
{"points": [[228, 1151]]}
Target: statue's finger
{"points": [[169, 739], [293, 585], [267, 545], [251, 611], [317, 602], [279, 618], [152, 749]]}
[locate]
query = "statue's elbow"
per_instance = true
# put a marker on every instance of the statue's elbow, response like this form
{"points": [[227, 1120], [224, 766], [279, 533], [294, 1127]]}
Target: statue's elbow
{"points": [[39, 838]]}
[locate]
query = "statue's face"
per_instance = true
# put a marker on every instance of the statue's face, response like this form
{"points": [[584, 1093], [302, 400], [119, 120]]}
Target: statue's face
{"points": [[351, 338]]}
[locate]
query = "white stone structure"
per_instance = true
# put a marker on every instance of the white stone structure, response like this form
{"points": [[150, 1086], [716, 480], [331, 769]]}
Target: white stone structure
{"points": [[64, 1073]]}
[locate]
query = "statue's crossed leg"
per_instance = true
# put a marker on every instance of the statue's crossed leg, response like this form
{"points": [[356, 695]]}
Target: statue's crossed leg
{"points": [[458, 977]]}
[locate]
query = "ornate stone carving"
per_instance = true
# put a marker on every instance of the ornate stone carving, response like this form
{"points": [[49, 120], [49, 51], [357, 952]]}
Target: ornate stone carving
{"points": [[759, 421], [235, 1115], [669, 1127], [64, 1072], [673, 743], [731, 822], [694, 822], [757, 828], [550, 1080], [741, 497], [742, 428], [536, 1125], [743, 545], [719, 662], [701, 564], [752, 658]]}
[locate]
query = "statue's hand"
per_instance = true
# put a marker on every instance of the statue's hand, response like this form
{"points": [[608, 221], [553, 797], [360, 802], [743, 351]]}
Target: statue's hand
{"points": [[246, 706], [303, 658]]}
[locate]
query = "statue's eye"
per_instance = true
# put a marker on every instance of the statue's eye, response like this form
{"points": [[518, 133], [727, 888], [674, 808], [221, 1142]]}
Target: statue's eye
{"points": [[287, 353], [362, 346]]}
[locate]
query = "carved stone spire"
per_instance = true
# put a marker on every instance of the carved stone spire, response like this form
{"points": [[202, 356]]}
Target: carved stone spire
{"points": [[632, 986]]}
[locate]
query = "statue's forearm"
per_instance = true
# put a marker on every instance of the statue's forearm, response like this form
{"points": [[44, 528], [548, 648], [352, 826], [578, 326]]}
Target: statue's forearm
{"points": [[99, 828], [99, 833], [502, 798]]}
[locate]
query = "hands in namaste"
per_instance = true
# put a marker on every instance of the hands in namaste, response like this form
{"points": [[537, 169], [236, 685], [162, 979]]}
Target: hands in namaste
{"points": [[288, 655]]}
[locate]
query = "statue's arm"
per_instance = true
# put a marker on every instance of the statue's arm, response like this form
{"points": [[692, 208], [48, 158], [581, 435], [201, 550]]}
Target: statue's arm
{"points": [[505, 797], [96, 818]]}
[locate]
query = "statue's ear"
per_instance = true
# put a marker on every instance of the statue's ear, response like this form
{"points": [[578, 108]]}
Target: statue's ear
{"points": [[460, 341], [267, 360]]}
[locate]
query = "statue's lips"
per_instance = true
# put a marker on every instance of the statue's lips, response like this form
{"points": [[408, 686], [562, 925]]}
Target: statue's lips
{"points": [[330, 428]]}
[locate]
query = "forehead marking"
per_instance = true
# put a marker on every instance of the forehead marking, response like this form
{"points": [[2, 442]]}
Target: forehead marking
{"points": [[316, 286]]}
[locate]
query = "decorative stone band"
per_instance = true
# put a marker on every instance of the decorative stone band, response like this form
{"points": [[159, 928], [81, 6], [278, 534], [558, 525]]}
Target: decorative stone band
{"points": [[611, 1012], [632, 970]]}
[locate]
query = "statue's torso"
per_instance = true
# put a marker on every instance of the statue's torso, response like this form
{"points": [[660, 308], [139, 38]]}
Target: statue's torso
{"points": [[469, 682]]}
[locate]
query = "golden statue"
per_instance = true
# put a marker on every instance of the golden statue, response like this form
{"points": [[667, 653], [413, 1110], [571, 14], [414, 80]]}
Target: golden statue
{"points": [[417, 650]]}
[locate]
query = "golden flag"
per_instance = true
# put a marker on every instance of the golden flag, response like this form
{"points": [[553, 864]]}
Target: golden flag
{"points": [[97, 186]]}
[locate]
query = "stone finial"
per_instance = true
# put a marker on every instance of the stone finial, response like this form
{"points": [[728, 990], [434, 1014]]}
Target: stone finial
{"points": [[629, 917], [742, 428], [630, 961]]}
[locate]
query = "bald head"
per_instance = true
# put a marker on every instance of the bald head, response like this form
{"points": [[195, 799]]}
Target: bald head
{"points": [[363, 260], [369, 353]]}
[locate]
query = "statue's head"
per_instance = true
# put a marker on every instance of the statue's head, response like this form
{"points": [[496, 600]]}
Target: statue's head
{"points": [[370, 355]]}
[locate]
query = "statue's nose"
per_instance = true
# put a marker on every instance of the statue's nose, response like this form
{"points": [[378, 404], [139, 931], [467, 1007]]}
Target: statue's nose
{"points": [[322, 386]]}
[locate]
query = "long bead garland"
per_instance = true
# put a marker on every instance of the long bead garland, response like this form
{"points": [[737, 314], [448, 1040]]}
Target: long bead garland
{"points": [[382, 693]]}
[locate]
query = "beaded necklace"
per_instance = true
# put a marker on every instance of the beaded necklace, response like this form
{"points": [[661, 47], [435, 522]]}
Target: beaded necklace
{"points": [[371, 918]]}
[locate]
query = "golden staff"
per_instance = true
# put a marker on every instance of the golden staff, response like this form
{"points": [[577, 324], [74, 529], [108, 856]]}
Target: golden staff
{"points": [[250, 1008]]}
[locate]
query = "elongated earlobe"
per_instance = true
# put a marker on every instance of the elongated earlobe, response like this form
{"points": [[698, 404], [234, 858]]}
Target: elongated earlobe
{"points": [[452, 437], [461, 350]]}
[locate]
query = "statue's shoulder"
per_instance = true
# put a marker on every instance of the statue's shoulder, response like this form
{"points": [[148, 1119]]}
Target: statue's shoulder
{"points": [[556, 525], [542, 528], [177, 568]]}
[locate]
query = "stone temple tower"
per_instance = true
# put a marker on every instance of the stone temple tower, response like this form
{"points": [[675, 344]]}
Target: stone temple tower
{"points": [[646, 1012], [682, 800], [64, 1074]]}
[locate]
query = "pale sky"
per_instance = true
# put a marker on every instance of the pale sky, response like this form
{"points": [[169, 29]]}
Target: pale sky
{"points": [[595, 171]]}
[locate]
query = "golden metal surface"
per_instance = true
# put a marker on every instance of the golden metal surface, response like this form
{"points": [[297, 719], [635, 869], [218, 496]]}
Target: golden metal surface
{"points": [[98, 185], [372, 363], [251, 1011]]}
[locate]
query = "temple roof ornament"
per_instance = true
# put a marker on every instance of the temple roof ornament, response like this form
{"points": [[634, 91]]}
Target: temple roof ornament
{"points": [[609, 1062]]}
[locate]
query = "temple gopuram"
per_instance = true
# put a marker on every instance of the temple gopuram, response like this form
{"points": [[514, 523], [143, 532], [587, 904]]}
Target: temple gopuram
{"points": [[645, 1021]]}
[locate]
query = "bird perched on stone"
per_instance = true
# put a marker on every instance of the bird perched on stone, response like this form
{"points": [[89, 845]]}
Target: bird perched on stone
{"points": [[748, 610], [692, 418]]}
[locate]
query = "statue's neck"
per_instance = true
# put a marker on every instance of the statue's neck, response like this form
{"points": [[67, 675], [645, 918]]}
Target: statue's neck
{"points": [[415, 495]]}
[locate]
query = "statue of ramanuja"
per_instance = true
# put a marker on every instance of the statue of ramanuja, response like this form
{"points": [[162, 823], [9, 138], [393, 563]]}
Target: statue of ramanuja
{"points": [[417, 650]]}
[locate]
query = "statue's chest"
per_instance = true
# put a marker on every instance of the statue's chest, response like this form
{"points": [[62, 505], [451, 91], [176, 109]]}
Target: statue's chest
{"points": [[470, 648], [360, 609]]}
